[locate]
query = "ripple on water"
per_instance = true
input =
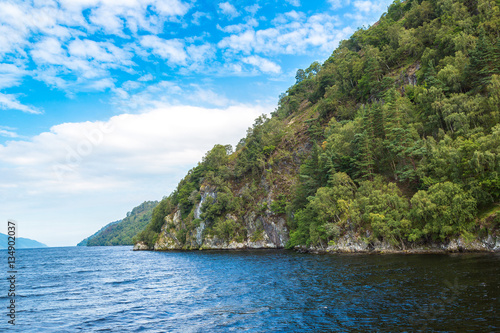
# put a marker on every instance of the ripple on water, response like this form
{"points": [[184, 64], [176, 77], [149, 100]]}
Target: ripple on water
{"points": [[112, 289]]}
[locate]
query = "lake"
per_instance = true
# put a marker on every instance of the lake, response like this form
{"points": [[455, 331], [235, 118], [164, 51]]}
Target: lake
{"points": [[113, 289]]}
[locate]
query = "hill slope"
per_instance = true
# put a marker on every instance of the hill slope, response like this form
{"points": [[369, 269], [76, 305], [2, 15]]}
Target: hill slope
{"points": [[392, 143], [21, 243], [122, 232], [97, 233]]}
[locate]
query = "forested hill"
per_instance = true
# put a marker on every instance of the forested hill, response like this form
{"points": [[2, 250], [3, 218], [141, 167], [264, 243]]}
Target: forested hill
{"points": [[394, 139], [121, 232]]}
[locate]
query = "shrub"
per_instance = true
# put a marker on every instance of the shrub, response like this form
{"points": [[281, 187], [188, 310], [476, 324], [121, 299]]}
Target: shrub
{"points": [[443, 210], [278, 206], [225, 229]]}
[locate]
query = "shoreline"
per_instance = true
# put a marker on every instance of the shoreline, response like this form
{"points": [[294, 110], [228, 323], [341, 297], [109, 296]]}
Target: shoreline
{"points": [[350, 243], [331, 251]]}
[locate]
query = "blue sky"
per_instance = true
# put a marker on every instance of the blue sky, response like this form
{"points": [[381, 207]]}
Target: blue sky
{"points": [[107, 103]]}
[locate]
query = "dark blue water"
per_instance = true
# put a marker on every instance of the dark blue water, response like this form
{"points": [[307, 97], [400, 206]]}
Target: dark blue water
{"points": [[112, 289]]}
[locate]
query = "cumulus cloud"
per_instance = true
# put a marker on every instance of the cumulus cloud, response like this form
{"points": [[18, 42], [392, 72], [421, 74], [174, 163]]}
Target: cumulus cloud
{"points": [[11, 75], [197, 16], [76, 45], [132, 95], [87, 61], [177, 53], [366, 12], [54, 35], [114, 16], [154, 136], [367, 6], [264, 65], [295, 3], [208, 96], [65, 19], [172, 50], [336, 4], [292, 33], [235, 28], [253, 9], [146, 78], [109, 164], [229, 10]]}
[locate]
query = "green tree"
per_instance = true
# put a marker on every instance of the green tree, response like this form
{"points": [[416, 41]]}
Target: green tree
{"points": [[442, 211], [382, 208]]}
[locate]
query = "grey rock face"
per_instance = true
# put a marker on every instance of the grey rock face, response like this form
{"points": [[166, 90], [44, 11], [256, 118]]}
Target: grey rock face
{"points": [[264, 230], [141, 246]]}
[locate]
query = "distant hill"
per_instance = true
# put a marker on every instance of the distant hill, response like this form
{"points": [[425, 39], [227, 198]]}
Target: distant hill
{"points": [[21, 243], [122, 231]]}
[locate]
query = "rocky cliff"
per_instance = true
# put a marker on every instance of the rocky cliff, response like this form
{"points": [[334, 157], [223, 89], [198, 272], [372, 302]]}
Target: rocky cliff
{"points": [[261, 229], [392, 144]]}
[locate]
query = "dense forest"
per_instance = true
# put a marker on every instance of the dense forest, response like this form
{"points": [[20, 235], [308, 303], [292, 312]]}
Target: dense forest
{"points": [[395, 137], [122, 231]]}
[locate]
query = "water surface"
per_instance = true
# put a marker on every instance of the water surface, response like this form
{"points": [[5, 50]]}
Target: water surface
{"points": [[112, 289]]}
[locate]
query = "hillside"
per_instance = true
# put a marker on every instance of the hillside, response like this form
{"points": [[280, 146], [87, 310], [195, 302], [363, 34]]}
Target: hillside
{"points": [[21, 243], [122, 231], [85, 241], [393, 143]]}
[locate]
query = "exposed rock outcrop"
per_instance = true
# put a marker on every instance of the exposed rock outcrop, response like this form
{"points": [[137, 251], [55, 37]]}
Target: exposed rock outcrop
{"points": [[264, 230], [350, 243], [141, 246]]}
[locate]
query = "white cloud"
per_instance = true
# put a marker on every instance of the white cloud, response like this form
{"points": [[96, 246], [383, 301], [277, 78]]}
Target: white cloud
{"points": [[99, 85], [10, 102], [146, 78], [368, 6], [366, 12], [200, 53], [336, 4], [150, 96], [208, 96], [8, 132], [105, 53], [197, 16], [236, 28], [54, 42], [11, 74], [55, 36], [114, 16], [292, 33], [133, 96], [264, 65], [88, 61], [172, 49], [78, 173], [295, 3], [228, 10], [253, 9], [178, 54]]}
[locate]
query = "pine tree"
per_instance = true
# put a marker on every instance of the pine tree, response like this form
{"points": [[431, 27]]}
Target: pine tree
{"points": [[484, 62], [377, 121], [364, 142], [365, 161], [312, 176]]}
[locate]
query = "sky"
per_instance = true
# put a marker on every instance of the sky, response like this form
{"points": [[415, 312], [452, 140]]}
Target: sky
{"points": [[105, 104]]}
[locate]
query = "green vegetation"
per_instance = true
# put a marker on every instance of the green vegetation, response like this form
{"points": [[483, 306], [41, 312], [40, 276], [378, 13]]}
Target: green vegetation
{"points": [[122, 232], [395, 137], [412, 104]]}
